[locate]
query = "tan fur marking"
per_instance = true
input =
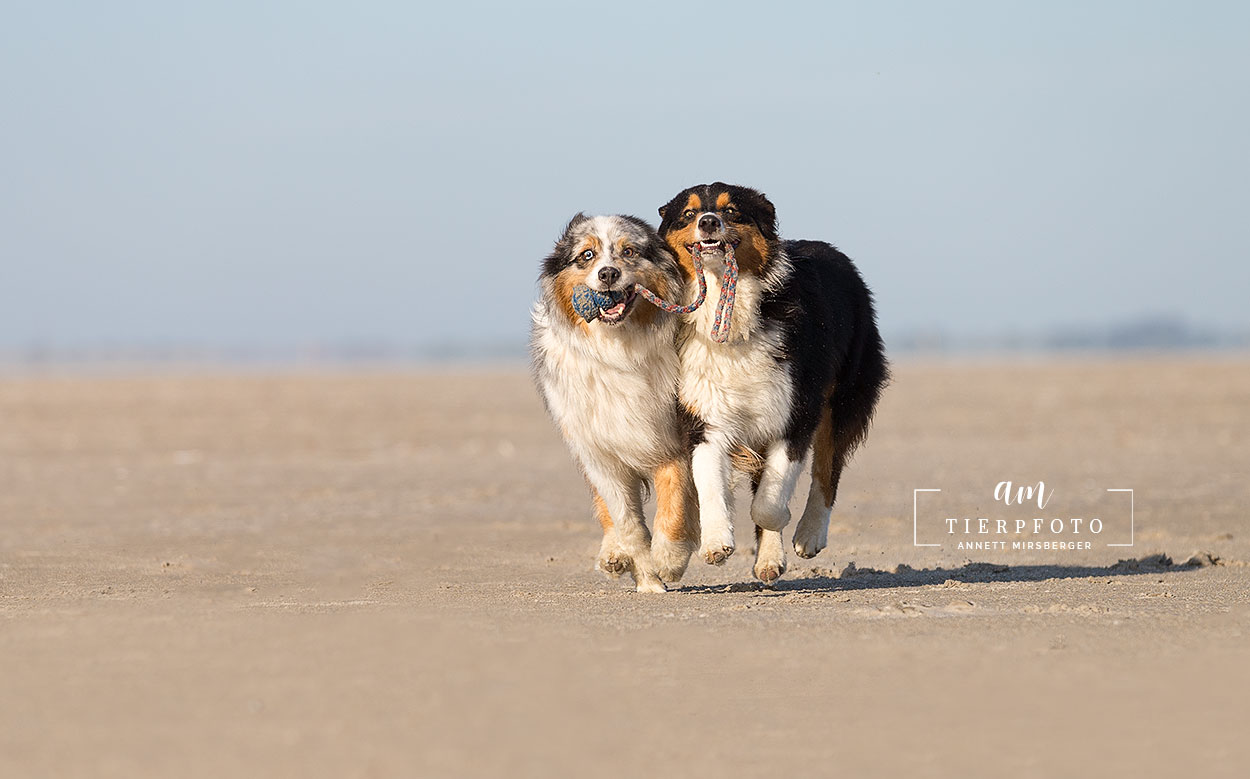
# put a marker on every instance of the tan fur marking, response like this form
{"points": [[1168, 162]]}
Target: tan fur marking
{"points": [[601, 512], [655, 280], [675, 502], [722, 200], [752, 253], [685, 269], [589, 242], [677, 240], [644, 313], [565, 281], [822, 454], [658, 283], [746, 460]]}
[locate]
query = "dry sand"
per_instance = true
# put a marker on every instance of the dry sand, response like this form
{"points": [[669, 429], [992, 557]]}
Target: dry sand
{"points": [[391, 575]]}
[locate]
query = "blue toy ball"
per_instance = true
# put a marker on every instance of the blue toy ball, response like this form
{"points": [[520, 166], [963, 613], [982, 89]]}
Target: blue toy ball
{"points": [[588, 303]]}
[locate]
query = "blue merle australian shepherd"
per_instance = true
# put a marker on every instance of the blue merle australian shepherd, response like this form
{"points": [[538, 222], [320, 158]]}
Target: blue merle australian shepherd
{"points": [[609, 380]]}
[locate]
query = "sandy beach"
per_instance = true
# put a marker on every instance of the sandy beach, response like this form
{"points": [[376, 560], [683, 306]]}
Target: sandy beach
{"points": [[389, 573]]}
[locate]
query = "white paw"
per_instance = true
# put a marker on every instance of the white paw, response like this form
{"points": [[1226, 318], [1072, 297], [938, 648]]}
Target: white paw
{"points": [[770, 557], [670, 557], [717, 545], [808, 543], [769, 571], [650, 584], [716, 555], [613, 561], [716, 552]]}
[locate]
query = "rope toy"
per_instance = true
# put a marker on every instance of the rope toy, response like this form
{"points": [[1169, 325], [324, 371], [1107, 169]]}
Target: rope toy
{"points": [[589, 304]]}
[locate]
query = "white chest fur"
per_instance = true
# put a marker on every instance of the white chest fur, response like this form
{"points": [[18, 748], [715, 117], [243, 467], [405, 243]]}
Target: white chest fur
{"points": [[738, 388], [611, 391]]}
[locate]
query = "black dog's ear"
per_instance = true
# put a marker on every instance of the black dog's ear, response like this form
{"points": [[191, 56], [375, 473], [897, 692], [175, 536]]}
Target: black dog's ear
{"points": [[662, 209], [768, 214]]}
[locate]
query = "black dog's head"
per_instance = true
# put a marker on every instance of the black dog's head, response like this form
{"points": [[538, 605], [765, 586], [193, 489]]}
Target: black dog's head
{"points": [[709, 216], [611, 255]]}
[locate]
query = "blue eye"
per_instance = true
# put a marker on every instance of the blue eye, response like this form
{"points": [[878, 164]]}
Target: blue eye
{"points": [[589, 254]]}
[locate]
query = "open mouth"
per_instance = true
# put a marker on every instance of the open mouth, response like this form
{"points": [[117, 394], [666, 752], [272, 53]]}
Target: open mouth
{"points": [[707, 246], [617, 312]]}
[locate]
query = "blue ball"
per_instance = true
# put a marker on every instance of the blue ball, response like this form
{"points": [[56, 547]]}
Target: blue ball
{"points": [[588, 303]]}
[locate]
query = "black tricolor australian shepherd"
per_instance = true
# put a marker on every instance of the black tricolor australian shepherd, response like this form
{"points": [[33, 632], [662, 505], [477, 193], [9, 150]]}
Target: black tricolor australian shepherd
{"points": [[801, 371], [609, 379]]}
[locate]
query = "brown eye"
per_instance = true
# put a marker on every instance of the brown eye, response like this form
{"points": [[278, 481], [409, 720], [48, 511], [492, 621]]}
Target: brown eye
{"points": [[688, 214], [730, 210], [629, 252]]}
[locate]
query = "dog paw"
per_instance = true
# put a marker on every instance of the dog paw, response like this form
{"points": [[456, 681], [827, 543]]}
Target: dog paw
{"points": [[614, 562], [650, 584], [717, 543], [808, 545], [769, 571], [770, 557], [716, 554], [812, 534], [807, 550], [670, 557]]}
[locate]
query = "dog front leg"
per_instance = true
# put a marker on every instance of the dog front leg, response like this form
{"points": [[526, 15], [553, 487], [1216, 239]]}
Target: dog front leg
{"points": [[612, 559], [711, 468], [623, 500], [770, 509], [676, 519]]}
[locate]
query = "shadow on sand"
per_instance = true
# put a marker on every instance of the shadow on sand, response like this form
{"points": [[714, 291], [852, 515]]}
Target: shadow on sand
{"points": [[854, 578]]}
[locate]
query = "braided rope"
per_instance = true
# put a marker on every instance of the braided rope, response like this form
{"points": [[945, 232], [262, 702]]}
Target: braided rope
{"points": [[724, 305], [728, 291], [673, 308]]}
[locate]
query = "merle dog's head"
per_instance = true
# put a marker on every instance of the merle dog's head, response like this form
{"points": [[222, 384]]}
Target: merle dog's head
{"points": [[610, 255]]}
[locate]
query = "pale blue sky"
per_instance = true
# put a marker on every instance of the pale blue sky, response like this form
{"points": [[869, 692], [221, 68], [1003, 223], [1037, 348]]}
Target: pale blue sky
{"points": [[273, 174]]}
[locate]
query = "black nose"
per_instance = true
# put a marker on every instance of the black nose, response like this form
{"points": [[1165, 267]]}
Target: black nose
{"points": [[609, 275], [708, 223]]}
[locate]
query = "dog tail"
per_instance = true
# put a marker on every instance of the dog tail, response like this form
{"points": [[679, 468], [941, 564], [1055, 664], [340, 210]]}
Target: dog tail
{"points": [[853, 401]]}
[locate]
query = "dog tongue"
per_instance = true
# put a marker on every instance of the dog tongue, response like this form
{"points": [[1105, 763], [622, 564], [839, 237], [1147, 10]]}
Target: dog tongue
{"points": [[615, 310]]}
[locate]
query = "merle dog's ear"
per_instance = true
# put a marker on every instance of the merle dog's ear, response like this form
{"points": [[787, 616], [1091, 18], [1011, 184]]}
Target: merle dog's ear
{"points": [[577, 219], [559, 256], [662, 254]]}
